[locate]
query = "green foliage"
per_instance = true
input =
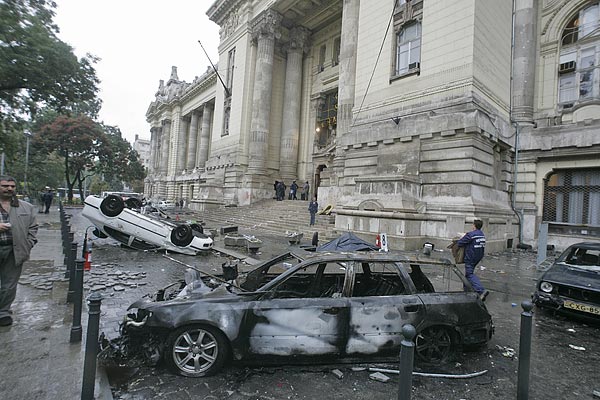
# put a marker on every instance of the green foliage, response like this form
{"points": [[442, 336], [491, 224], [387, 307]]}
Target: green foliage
{"points": [[39, 70]]}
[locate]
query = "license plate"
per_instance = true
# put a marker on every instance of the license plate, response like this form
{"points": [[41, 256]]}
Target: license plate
{"points": [[582, 307]]}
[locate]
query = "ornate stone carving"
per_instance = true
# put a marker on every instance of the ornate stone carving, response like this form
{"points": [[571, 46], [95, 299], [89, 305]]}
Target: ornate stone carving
{"points": [[268, 23], [231, 23], [299, 39]]}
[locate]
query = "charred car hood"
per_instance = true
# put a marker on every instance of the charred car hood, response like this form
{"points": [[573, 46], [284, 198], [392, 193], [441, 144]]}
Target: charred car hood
{"points": [[575, 276]]}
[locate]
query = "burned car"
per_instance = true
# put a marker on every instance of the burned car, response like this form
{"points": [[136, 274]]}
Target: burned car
{"points": [[305, 307], [571, 285], [121, 219]]}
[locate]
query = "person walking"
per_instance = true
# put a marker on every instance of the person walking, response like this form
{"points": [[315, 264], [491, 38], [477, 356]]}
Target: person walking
{"points": [[18, 230], [293, 190], [474, 244], [47, 199], [313, 207]]}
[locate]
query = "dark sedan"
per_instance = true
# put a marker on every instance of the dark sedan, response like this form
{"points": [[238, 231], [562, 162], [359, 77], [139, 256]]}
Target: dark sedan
{"points": [[572, 284], [306, 307]]}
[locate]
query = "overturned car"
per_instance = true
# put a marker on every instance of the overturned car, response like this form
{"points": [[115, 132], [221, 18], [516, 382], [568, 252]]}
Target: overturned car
{"points": [[120, 219], [304, 307]]}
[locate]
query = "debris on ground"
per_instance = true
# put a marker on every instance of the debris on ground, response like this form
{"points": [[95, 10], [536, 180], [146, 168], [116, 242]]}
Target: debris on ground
{"points": [[433, 375], [580, 348], [596, 393], [378, 376], [339, 374], [506, 351]]}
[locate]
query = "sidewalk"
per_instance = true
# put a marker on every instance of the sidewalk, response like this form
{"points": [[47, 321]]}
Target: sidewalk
{"points": [[37, 360]]}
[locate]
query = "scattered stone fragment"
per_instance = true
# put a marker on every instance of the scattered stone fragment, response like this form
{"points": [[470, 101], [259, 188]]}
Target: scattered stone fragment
{"points": [[339, 374], [580, 348], [118, 288], [378, 376], [596, 393], [358, 369]]}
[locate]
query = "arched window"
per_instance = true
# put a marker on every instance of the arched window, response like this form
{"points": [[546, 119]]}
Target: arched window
{"points": [[579, 76]]}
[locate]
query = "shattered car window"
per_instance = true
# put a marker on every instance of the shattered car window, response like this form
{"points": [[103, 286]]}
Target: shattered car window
{"points": [[313, 281], [377, 279], [583, 258], [436, 278]]}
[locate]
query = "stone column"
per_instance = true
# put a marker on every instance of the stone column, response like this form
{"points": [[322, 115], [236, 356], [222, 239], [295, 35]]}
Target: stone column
{"points": [[164, 151], [290, 129], [204, 136], [265, 29], [182, 144], [152, 150], [191, 144], [347, 74], [525, 31]]}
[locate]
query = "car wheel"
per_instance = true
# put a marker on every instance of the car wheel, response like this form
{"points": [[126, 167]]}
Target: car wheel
{"points": [[132, 202], [99, 234], [182, 235], [434, 345], [196, 351], [197, 227], [112, 205]]}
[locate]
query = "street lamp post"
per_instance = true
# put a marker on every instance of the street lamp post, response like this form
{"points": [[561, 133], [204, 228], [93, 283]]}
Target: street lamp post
{"points": [[28, 136]]}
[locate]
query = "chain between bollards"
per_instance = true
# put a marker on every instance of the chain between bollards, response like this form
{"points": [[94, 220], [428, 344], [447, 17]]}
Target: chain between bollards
{"points": [[77, 302], [407, 354], [91, 347], [524, 351]]}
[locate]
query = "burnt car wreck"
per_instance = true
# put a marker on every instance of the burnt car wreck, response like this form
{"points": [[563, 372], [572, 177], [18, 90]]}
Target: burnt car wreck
{"points": [[304, 307]]}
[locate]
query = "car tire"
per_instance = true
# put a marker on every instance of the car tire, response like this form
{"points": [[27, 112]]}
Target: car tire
{"points": [[112, 205], [197, 227], [196, 351], [182, 235], [132, 203], [99, 234], [435, 345]]}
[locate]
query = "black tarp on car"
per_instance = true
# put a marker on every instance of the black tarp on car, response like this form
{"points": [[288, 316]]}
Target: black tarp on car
{"points": [[348, 242]]}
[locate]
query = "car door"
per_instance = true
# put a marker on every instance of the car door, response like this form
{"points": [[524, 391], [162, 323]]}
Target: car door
{"points": [[305, 314], [382, 300]]}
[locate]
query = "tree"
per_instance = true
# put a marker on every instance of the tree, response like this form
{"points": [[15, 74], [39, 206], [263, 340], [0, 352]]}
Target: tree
{"points": [[87, 149], [77, 140], [39, 70]]}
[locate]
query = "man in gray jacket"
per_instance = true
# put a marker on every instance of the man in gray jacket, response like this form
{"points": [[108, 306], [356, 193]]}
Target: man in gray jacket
{"points": [[18, 230]]}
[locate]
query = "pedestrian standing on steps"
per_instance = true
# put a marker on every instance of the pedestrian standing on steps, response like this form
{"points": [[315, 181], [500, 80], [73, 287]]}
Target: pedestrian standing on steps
{"points": [[305, 190], [474, 244], [313, 207], [293, 190], [18, 230]]}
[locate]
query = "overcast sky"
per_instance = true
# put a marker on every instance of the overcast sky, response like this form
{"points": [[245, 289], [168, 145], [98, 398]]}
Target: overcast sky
{"points": [[138, 41]]}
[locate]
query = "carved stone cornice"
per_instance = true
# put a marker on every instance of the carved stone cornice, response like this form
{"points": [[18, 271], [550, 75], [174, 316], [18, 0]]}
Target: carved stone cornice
{"points": [[268, 23]]}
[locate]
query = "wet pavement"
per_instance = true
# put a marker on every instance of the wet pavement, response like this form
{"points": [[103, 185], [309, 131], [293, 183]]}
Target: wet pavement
{"points": [[564, 358]]}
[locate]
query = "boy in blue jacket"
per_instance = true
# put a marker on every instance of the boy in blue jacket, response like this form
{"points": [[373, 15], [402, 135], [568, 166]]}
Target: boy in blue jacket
{"points": [[474, 244]]}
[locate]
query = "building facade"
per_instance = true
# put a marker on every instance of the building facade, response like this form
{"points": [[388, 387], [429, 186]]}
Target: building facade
{"points": [[409, 117], [142, 148]]}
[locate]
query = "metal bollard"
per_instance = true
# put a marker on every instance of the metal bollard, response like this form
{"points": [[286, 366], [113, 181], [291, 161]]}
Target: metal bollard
{"points": [[70, 273], [407, 356], [524, 351], [91, 347], [77, 300]]}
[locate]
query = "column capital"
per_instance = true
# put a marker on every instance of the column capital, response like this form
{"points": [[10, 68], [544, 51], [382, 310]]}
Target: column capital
{"points": [[299, 39], [267, 23]]}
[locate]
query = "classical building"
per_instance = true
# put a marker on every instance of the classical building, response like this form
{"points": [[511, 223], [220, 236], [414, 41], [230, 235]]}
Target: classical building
{"points": [[142, 148], [409, 117]]}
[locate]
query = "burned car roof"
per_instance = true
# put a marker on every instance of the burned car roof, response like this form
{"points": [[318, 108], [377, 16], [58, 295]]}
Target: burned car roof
{"points": [[571, 285], [310, 306]]}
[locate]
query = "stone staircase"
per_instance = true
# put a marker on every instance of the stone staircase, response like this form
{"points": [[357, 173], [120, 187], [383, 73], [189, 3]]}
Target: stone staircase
{"points": [[266, 216]]}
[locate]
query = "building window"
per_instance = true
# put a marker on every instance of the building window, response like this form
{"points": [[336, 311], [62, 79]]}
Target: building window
{"points": [[327, 118], [322, 52], [572, 197], [578, 74], [230, 69], [408, 48], [336, 51]]}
